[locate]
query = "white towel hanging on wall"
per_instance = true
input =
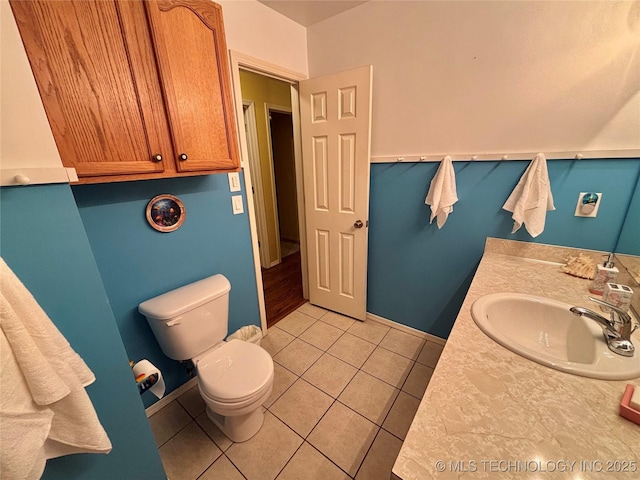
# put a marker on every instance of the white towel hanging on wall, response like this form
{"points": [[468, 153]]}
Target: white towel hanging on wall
{"points": [[532, 198], [45, 411], [442, 192]]}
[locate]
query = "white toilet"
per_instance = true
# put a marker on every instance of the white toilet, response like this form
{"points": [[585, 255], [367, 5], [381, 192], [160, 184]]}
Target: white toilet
{"points": [[234, 378]]}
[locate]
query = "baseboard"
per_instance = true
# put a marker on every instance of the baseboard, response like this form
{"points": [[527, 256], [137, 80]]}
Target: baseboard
{"points": [[167, 399], [404, 328]]}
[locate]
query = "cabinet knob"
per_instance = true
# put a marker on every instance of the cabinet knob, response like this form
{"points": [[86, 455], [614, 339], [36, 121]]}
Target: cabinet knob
{"points": [[182, 157], [156, 158]]}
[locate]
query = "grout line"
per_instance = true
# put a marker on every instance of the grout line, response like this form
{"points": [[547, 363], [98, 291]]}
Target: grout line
{"points": [[177, 432], [291, 457], [236, 467], [369, 450]]}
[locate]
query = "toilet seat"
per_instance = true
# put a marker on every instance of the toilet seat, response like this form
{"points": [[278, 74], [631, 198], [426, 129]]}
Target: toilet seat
{"points": [[235, 373]]}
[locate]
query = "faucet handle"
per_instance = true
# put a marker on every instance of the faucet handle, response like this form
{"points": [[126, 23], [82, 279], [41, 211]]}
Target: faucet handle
{"points": [[623, 321], [624, 316]]}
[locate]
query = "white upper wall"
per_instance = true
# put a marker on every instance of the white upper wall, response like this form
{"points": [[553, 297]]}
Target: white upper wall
{"points": [[256, 30], [25, 136], [485, 76]]}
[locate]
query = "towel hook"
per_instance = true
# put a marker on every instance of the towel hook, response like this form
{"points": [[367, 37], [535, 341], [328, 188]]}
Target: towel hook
{"points": [[22, 179]]}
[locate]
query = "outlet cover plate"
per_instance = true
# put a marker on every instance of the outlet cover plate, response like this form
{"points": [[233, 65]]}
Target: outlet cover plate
{"points": [[583, 210]]}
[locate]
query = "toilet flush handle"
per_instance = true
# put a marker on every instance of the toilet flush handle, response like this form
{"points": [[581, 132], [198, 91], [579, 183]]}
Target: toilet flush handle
{"points": [[171, 323]]}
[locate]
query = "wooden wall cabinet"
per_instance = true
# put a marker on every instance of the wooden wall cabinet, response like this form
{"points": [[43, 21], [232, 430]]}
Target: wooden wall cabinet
{"points": [[133, 89]]}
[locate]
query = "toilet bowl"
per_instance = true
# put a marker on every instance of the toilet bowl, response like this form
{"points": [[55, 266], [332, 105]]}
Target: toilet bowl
{"points": [[234, 378]]}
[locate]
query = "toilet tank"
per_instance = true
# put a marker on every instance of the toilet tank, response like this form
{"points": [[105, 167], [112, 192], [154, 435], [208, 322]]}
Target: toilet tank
{"points": [[190, 319]]}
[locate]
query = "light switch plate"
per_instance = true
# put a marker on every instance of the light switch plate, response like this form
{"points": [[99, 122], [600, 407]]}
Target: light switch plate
{"points": [[236, 203], [589, 209], [234, 182]]}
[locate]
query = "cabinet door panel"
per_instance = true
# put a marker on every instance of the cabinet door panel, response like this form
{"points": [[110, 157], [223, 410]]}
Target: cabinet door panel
{"points": [[188, 37], [81, 66]]}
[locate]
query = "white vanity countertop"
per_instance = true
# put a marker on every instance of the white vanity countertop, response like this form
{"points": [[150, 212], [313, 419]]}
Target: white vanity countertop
{"points": [[490, 413]]}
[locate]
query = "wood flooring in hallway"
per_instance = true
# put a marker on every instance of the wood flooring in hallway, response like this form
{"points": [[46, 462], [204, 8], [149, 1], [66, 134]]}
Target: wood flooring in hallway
{"points": [[282, 288]]}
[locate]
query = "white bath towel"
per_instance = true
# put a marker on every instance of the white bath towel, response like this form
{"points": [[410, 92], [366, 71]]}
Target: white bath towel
{"points": [[532, 198], [442, 192], [45, 411]]}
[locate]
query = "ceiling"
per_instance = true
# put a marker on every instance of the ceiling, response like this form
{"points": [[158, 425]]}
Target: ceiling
{"points": [[308, 12]]}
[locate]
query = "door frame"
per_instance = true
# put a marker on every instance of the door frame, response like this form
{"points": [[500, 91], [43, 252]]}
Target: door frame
{"points": [[242, 61], [253, 151], [268, 108]]}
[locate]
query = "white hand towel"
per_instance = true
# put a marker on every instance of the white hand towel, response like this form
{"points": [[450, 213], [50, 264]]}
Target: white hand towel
{"points": [[442, 192], [45, 412], [532, 198]]}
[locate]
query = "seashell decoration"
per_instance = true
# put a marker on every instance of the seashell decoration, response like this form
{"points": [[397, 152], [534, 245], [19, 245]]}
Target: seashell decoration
{"points": [[581, 266]]}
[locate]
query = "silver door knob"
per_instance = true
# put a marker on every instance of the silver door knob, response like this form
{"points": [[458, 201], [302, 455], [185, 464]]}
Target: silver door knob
{"points": [[358, 224]]}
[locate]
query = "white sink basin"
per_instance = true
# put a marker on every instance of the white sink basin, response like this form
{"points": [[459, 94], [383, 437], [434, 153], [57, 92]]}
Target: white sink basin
{"points": [[545, 331]]}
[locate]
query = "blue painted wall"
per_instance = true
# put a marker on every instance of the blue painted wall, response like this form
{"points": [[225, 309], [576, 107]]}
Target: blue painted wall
{"points": [[629, 241], [44, 242], [419, 275], [137, 262]]}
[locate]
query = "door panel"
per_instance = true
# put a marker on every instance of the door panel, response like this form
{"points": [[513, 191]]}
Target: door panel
{"points": [[336, 137]]}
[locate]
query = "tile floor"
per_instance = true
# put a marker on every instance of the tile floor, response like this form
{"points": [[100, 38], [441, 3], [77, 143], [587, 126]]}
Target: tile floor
{"points": [[344, 396]]}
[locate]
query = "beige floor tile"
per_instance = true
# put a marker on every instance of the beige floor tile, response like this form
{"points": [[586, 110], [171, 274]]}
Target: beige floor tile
{"points": [[214, 433], [192, 402], [312, 310], [369, 330], [168, 421], [430, 354], [295, 323], [301, 407], [401, 415], [275, 340], [388, 366], [187, 455], [344, 437], [370, 397], [417, 381], [352, 350], [330, 374], [309, 464], [321, 335], [282, 379], [222, 469], [263, 456], [337, 320], [402, 343], [379, 461], [298, 356]]}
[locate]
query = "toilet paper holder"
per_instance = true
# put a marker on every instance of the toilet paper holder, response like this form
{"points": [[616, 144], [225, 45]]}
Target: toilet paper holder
{"points": [[144, 381]]}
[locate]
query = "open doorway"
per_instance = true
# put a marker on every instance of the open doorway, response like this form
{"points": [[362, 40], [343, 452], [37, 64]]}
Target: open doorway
{"points": [[269, 133]]}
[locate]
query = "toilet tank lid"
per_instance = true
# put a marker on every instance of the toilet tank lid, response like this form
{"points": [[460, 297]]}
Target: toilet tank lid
{"points": [[181, 300]]}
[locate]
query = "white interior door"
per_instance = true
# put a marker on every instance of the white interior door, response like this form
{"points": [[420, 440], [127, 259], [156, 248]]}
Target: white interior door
{"points": [[336, 146]]}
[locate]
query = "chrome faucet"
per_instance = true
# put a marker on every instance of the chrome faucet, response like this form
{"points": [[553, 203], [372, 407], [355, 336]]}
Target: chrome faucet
{"points": [[617, 330]]}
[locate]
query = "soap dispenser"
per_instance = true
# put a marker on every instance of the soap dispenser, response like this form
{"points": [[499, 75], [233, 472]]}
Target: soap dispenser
{"points": [[605, 273]]}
